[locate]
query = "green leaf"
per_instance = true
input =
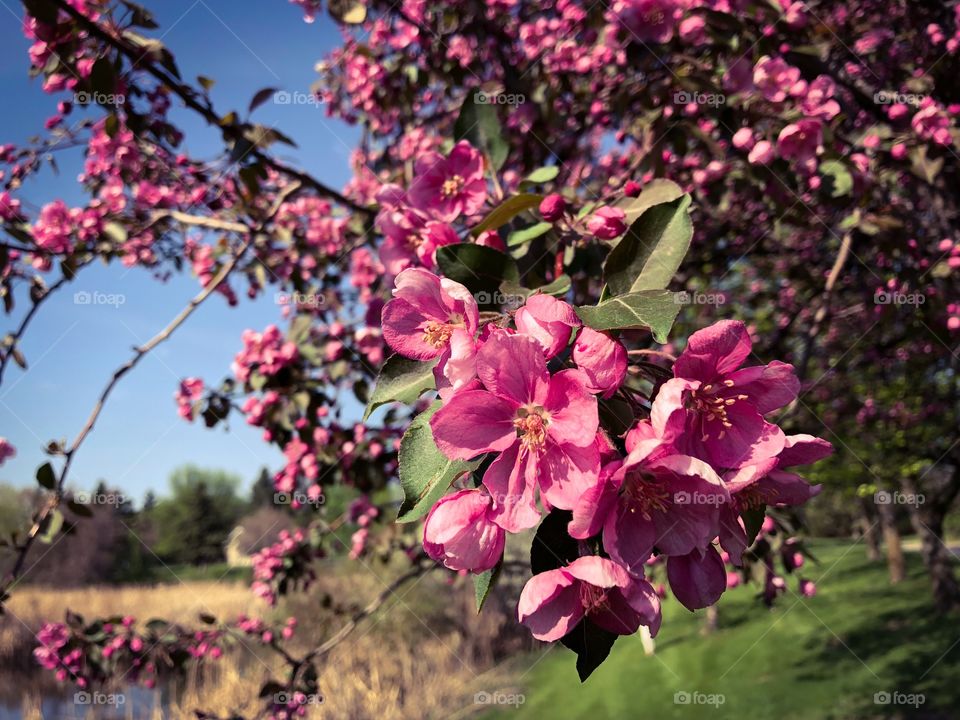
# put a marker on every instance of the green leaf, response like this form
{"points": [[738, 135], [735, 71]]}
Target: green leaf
{"points": [[654, 309], [542, 175], [506, 211], [650, 253], [425, 472], [591, 643], [557, 288], [45, 476], [837, 178], [752, 521], [261, 97], [481, 269], [478, 123], [654, 192], [51, 527], [525, 235], [401, 380], [484, 583]]}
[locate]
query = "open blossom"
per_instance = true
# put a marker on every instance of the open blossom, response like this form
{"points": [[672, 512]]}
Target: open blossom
{"points": [[654, 499], [187, 395], [775, 78], [549, 320], [460, 533], [542, 426], [603, 360], [554, 602], [648, 20], [799, 141], [768, 483], [410, 239], [714, 411], [425, 312], [448, 187]]}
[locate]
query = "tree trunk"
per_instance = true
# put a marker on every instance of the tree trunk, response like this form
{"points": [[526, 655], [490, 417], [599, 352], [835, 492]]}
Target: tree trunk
{"points": [[868, 530], [891, 542], [927, 513]]}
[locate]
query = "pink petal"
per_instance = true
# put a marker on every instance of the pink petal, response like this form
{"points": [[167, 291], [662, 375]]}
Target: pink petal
{"points": [[550, 605], [511, 480], [599, 572], [593, 507], [768, 387], [403, 326], [565, 472], [698, 579], [573, 410], [714, 351], [804, 450], [513, 366], [473, 422]]}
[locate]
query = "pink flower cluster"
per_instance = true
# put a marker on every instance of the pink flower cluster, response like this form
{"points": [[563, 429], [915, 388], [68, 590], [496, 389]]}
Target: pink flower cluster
{"points": [[676, 483], [7, 450], [417, 222], [266, 353], [187, 396], [278, 567]]}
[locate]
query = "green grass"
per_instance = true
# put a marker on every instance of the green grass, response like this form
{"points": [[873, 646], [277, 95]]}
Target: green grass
{"points": [[817, 658]]}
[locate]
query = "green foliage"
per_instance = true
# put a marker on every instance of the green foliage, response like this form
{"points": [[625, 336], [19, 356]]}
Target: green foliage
{"points": [[425, 472], [194, 522], [401, 380]]}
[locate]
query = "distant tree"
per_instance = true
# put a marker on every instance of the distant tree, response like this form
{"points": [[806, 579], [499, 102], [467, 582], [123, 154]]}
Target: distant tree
{"points": [[194, 522], [262, 493]]}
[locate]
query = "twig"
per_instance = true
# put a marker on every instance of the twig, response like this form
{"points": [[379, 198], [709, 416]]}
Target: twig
{"points": [[189, 96]]}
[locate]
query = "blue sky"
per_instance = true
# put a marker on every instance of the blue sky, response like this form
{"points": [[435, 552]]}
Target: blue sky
{"points": [[72, 349]]}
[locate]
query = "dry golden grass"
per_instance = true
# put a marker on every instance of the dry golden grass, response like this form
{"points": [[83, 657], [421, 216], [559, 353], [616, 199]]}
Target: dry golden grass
{"points": [[423, 655]]}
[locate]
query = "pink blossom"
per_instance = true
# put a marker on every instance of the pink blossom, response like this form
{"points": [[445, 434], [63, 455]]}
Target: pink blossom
{"points": [[542, 426], [603, 360], [607, 223], [552, 603], [448, 187], [762, 153], [775, 78], [654, 499], [7, 450], [188, 394], [713, 411], [800, 140], [460, 533], [552, 207], [425, 312], [648, 20], [549, 320]]}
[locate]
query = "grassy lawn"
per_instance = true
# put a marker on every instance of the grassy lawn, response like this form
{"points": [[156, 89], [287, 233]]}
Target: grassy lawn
{"points": [[816, 658]]}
